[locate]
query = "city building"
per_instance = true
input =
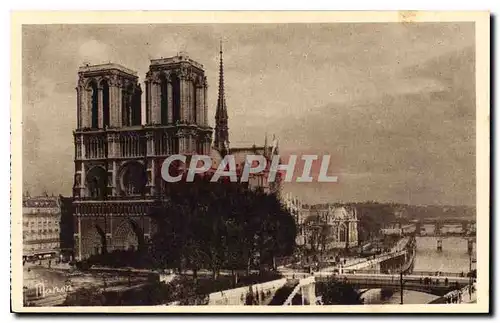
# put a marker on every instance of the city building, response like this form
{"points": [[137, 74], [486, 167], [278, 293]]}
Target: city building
{"points": [[296, 208], [66, 226], [343, 226], [41, 226], [118, 156], [334, 226]]}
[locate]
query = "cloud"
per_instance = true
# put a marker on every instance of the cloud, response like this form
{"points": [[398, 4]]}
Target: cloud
{"points": [[390, 101], [421, 141]]}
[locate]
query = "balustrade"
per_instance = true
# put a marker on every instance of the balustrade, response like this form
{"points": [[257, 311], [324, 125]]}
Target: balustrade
{"points": [[95, 147]]}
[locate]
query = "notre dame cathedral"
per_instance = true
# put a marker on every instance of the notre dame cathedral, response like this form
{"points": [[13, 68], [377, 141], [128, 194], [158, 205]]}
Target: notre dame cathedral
{"points": [[118, 156]]}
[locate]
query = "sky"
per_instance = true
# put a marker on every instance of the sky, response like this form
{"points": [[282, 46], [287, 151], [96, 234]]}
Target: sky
{"points": [[392, 103]]}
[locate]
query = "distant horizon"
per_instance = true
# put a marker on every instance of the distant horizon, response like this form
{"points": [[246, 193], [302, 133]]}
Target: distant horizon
{"points": [[51, 194]]}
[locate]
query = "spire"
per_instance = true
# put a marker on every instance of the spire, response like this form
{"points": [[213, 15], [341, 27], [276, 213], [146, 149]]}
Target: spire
{"points": [[274, 145], [266, 147], [222, 99], [221, 141]]}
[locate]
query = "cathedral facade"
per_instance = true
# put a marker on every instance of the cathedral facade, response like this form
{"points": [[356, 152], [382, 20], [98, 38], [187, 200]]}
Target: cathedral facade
{"points": [[118, 156], [338, 224], [343, 222]]}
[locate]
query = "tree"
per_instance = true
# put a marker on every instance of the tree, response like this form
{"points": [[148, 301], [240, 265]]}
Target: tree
{"points": [[337, 293], [319, 233], [181, 222], [277, 230], [215, 225], [372, 217]]}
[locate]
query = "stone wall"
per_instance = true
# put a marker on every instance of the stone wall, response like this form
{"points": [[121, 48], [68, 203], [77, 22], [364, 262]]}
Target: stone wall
{"points": [[238, 295]]}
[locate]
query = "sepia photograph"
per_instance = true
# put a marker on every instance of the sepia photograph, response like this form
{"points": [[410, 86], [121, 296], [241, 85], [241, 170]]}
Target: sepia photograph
{"points": [[250, 162]]}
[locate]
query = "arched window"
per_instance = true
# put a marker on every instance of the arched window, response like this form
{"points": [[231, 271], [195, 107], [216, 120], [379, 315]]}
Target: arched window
{"points": [[148, 108], [176, 98], [342, 233], [105, 103], [164, 100], [128, 235], [194, 102], [133, 179], [127, 106], [94, 110], [136, 107], [96, 183]]}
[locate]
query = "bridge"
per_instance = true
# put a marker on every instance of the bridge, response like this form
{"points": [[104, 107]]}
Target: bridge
{"points": [[408, 226], [399, 258], [386, 275], [436, 285], [439, 286]]}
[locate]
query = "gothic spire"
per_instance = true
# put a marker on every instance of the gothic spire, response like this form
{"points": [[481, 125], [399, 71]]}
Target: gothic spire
{"points": [[266, 146], [221, 142], [221, 102]]}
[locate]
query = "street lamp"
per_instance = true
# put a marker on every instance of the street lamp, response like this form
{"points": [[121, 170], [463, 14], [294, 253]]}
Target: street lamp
{"points": [[470, 274], [401, 283]]}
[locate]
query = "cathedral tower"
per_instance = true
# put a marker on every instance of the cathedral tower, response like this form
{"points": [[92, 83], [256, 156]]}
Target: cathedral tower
{"points": [[108, 129], [221, 142], [176, 107], [110, 173], [118, 158]]}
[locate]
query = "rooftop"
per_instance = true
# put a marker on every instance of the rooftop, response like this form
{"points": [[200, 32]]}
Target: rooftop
{"points": [[41, 201], [181, 57], [107, 66]]}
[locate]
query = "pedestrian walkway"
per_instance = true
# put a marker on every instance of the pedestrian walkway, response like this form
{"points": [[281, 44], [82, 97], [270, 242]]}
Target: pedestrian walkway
{"points": [[464, 295]]}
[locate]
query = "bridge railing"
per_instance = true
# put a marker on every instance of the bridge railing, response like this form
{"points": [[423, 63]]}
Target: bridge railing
{"points": [[374, 259], [395, 281], [437, 273], [414, 273]]}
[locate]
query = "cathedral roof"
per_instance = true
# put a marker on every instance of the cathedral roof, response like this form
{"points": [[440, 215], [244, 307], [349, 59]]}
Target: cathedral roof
{"points": [[341, 213], [108, 66], [180, 58]]}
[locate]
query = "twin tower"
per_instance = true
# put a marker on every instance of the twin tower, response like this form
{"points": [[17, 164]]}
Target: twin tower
{"points": [[111, 135], [109, 95], [119, 149]]}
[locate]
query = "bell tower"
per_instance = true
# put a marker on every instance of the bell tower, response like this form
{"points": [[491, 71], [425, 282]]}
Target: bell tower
{"points": [[112, 182], [108, 101], [118, 157], [176, 111]]}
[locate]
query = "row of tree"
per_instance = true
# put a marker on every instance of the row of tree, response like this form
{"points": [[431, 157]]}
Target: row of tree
{"points": [[205, 225]]}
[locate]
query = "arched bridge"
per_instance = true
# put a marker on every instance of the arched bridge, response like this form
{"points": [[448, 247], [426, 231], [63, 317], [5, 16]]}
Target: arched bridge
{"points": [[433, 285], [305, 284]]}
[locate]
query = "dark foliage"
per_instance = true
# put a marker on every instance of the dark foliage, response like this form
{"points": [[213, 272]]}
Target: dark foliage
{"points": [[338, 293], [220, 225], [85, 297], [282, 294], [122, 258]]}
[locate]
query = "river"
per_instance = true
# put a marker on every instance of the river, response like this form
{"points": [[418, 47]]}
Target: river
{"points": [[453, 258]]}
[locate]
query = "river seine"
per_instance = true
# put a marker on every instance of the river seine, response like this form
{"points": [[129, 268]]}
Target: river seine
{"points": [[453, 258]]}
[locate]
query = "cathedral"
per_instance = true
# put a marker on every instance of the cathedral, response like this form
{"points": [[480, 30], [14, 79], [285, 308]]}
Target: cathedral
{"points": [[338, 223], [118, 156]]}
